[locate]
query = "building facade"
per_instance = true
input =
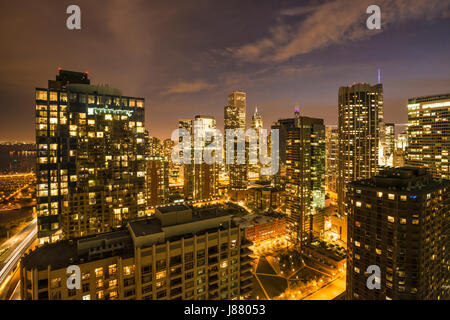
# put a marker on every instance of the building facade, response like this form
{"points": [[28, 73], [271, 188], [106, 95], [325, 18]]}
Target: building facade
{"points": [[429, 134], [386, 145], [399, 220], [305, 176], [332, 152], [179, 254], [360, 112], [264, 198], [262, 227], [91, 158], [254, 168], [234, 118], [157, 181], [200, 178]]}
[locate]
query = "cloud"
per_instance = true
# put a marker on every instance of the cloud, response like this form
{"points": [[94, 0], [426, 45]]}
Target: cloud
{"points": [[189, 87], [333, 22]]}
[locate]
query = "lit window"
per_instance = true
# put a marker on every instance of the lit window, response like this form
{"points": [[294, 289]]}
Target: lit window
{"points": [[127, 270], [391, 219], [99, 272], [112, 269], [41, 95], [160, 275], [100, 294]]}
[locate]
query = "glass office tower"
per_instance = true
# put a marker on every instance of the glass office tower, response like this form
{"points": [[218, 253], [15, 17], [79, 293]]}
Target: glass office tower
{"points": [[429, 134]]}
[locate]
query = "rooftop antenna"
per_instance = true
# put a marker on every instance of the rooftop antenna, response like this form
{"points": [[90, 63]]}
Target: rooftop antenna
{"points": [[297, 111], [379, 76]]}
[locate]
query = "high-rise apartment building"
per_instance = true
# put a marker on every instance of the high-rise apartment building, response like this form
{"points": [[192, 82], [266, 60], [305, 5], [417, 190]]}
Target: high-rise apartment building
{"points": [[386, 144], [305, 175], [429, 134], [401, 143], [282, 125], [257, 121], [399, 221], [157, 173], [332, 157], [157, 180], [91, 157], [178, 254], [254, 168], [360, 112], [234, 118], [200, 178]]}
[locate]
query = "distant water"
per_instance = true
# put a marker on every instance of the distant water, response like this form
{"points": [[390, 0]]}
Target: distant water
{"points": [[17, 158]]}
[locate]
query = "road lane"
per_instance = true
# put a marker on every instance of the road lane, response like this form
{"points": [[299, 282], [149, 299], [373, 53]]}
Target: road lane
{"points": [[17, 246]]}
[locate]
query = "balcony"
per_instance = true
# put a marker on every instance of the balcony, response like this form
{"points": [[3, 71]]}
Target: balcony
{"points": [[246, 252], [246, 267], [246, 275], [246, 283], [246, 290], [246, 259]]}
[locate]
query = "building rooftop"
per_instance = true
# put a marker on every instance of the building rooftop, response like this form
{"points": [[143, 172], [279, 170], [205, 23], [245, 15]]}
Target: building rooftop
{"points": [[67, 252], [429, 98], [257, 219], [141, 232], [405, 179], [173, 208], [145, 227]]}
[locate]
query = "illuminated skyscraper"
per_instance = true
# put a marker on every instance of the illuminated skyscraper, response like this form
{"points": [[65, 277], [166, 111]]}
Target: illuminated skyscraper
{"points": [[282, 125], [332, 151], [257, 125], [257, 122], [401, 143], [429, 134], [91, 158], [399, 220], [234, 118], [360, 112], [200, 178], [157, 173], [386, 145], [305, 175]]}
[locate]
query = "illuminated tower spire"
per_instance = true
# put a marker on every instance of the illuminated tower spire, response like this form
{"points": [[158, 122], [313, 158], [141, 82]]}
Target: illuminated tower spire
{"points": [[257, 122], [297, 111]]}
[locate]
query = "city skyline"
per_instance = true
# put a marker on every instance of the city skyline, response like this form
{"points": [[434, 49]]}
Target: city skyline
{"points": [[270, 61], [238, 150]]}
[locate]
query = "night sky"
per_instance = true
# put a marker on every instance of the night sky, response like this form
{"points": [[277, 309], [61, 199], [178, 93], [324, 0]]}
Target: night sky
{"points": [[185, 57]]}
